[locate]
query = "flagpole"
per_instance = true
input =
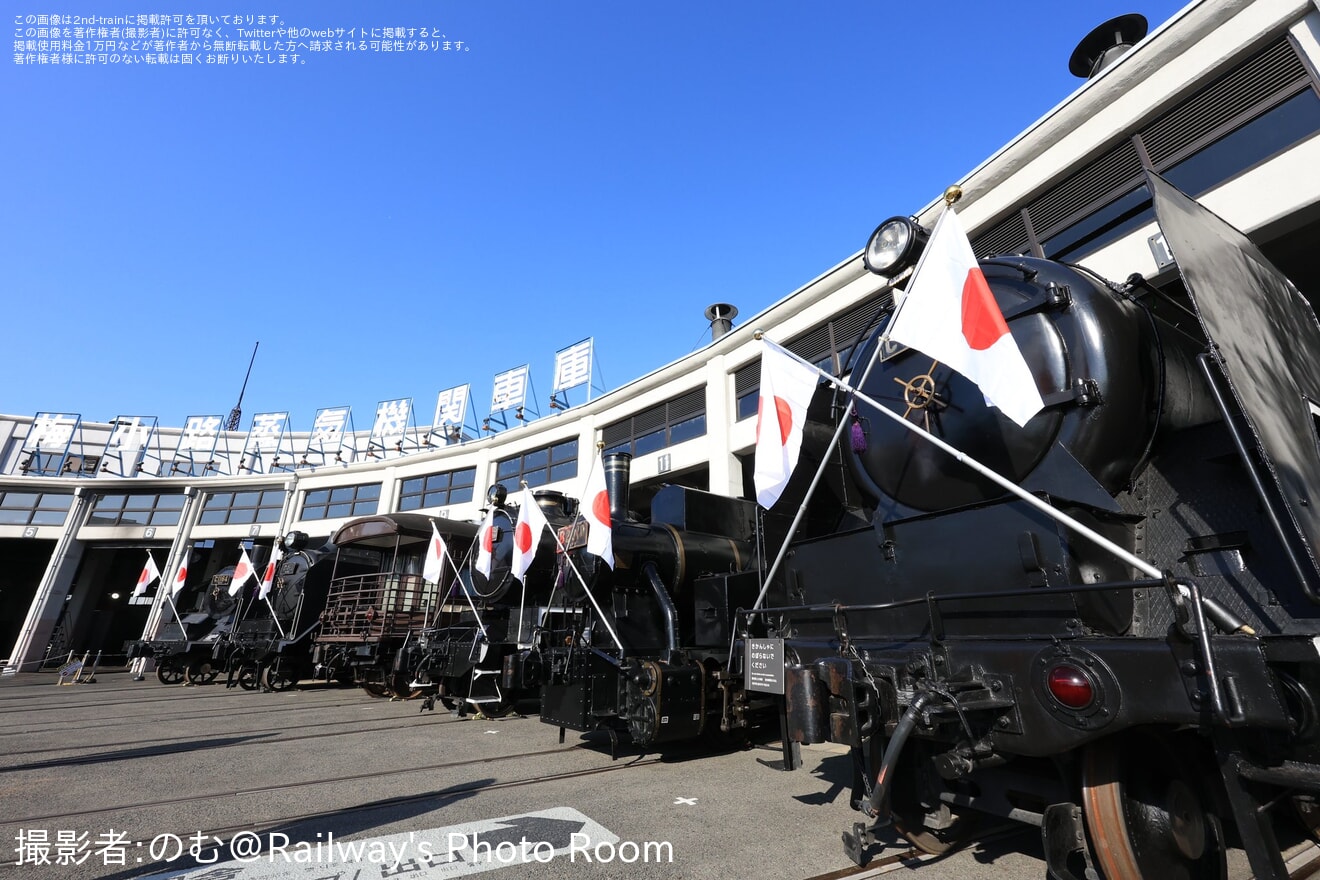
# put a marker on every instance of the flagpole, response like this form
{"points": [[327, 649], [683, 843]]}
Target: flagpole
{"points": [[522, 581], [1003, 482], [175, 609], [951, 195], [586, 589], [824, 459], [273, 616], [466, 594]]}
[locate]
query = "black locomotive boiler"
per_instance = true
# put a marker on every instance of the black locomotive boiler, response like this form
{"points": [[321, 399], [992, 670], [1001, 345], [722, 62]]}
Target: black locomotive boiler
{"points": [[643, 647], [982, 658]]}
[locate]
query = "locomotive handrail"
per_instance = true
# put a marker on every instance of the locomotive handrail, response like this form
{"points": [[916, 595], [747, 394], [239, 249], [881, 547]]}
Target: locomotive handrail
{"points": [[947, 597], [1177, 590]]}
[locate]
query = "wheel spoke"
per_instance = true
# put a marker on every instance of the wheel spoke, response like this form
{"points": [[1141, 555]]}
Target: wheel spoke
{"points": [[1147, 813]]}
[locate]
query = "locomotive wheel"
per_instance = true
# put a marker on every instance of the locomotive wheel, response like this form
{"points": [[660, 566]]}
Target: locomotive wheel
{"points": [[201, 672], [249, 677], [377, 689], [498, 709], [400, 687], [169, 672], [273, 678], [1144, 811]]}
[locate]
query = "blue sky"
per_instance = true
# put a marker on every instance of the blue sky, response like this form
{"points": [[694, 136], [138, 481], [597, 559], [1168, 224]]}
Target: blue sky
{"points": [[390, 225]]}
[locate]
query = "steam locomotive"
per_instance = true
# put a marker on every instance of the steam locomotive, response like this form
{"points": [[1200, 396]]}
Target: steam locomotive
{"points": [[193, 646], [255, 643], [271, 645], [643, 647], [984, 657], [399, 635]]}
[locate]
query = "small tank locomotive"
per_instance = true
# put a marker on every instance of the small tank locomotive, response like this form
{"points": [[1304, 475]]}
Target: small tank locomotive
{"points": [[644, 648], [271, 644], [490, 618], [983, 659], [193, 645]]}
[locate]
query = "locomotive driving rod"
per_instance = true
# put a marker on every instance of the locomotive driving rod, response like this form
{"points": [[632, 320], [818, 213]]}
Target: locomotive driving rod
{"points": [[992, 475]]}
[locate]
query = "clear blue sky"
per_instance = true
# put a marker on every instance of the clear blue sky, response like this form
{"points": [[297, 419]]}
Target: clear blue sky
{"points": [[389, 225]]}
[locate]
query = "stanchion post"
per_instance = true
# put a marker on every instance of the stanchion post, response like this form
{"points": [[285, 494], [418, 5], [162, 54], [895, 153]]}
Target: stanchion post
{"points": [[91, 676]]}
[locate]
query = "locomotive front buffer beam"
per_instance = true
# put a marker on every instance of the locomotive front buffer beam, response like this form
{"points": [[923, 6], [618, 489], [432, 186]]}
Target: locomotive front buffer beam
{"points": [[1003, 729]]}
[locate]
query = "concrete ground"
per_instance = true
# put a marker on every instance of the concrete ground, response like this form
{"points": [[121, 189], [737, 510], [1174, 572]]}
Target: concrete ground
{"points": [[118, 779]]}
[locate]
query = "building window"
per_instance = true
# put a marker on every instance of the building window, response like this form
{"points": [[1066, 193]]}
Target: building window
{"points": [[1253, 112], [437, 490], [548, 464], [341, 501], [673, 421], [33, 509], [136, 510], [245, 508]]}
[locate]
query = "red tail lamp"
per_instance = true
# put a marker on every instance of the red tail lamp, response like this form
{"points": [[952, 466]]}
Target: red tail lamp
{"points": [[1071, 686]]}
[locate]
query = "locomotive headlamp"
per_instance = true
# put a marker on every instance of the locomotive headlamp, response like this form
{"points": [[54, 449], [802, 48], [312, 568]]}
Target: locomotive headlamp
{"points": [[894, 246], [294, 541]]}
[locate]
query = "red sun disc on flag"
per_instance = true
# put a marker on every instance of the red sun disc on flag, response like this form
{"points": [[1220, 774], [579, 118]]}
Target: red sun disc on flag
{"points": [[436, 548], [488, 539], [982, 322], [270, 571], [522, 537], [600, 508], [142, 578], [784, 415]]}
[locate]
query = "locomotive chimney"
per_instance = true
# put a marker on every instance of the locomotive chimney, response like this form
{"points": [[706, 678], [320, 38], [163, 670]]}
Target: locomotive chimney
{"points": [[1106, 44], [618, 470], [721, 317]]}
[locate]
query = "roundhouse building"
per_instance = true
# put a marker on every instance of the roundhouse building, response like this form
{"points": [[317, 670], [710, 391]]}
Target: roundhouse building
{"points": [[1223, 100]]}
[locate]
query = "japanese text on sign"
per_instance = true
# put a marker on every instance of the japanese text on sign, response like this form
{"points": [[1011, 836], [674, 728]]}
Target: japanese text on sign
{"points": [[202, 39]]}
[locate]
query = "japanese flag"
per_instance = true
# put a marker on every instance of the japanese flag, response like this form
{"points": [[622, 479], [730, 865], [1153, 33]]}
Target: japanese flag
{"points": [[149, 573], [787, 385], [486, 544], [596, 511], [242, 572], [268, 576], [950, 314], [180, 576], [527, 534], [435, 557]]}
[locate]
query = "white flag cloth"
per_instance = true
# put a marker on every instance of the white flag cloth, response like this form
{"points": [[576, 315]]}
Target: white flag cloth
{"points": [[242, 572], [950, 314], [435, 557], [486, 544], [527, 534], [786, 390], [149, 573], [268, 576], [596, 511], [180, 576]]}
